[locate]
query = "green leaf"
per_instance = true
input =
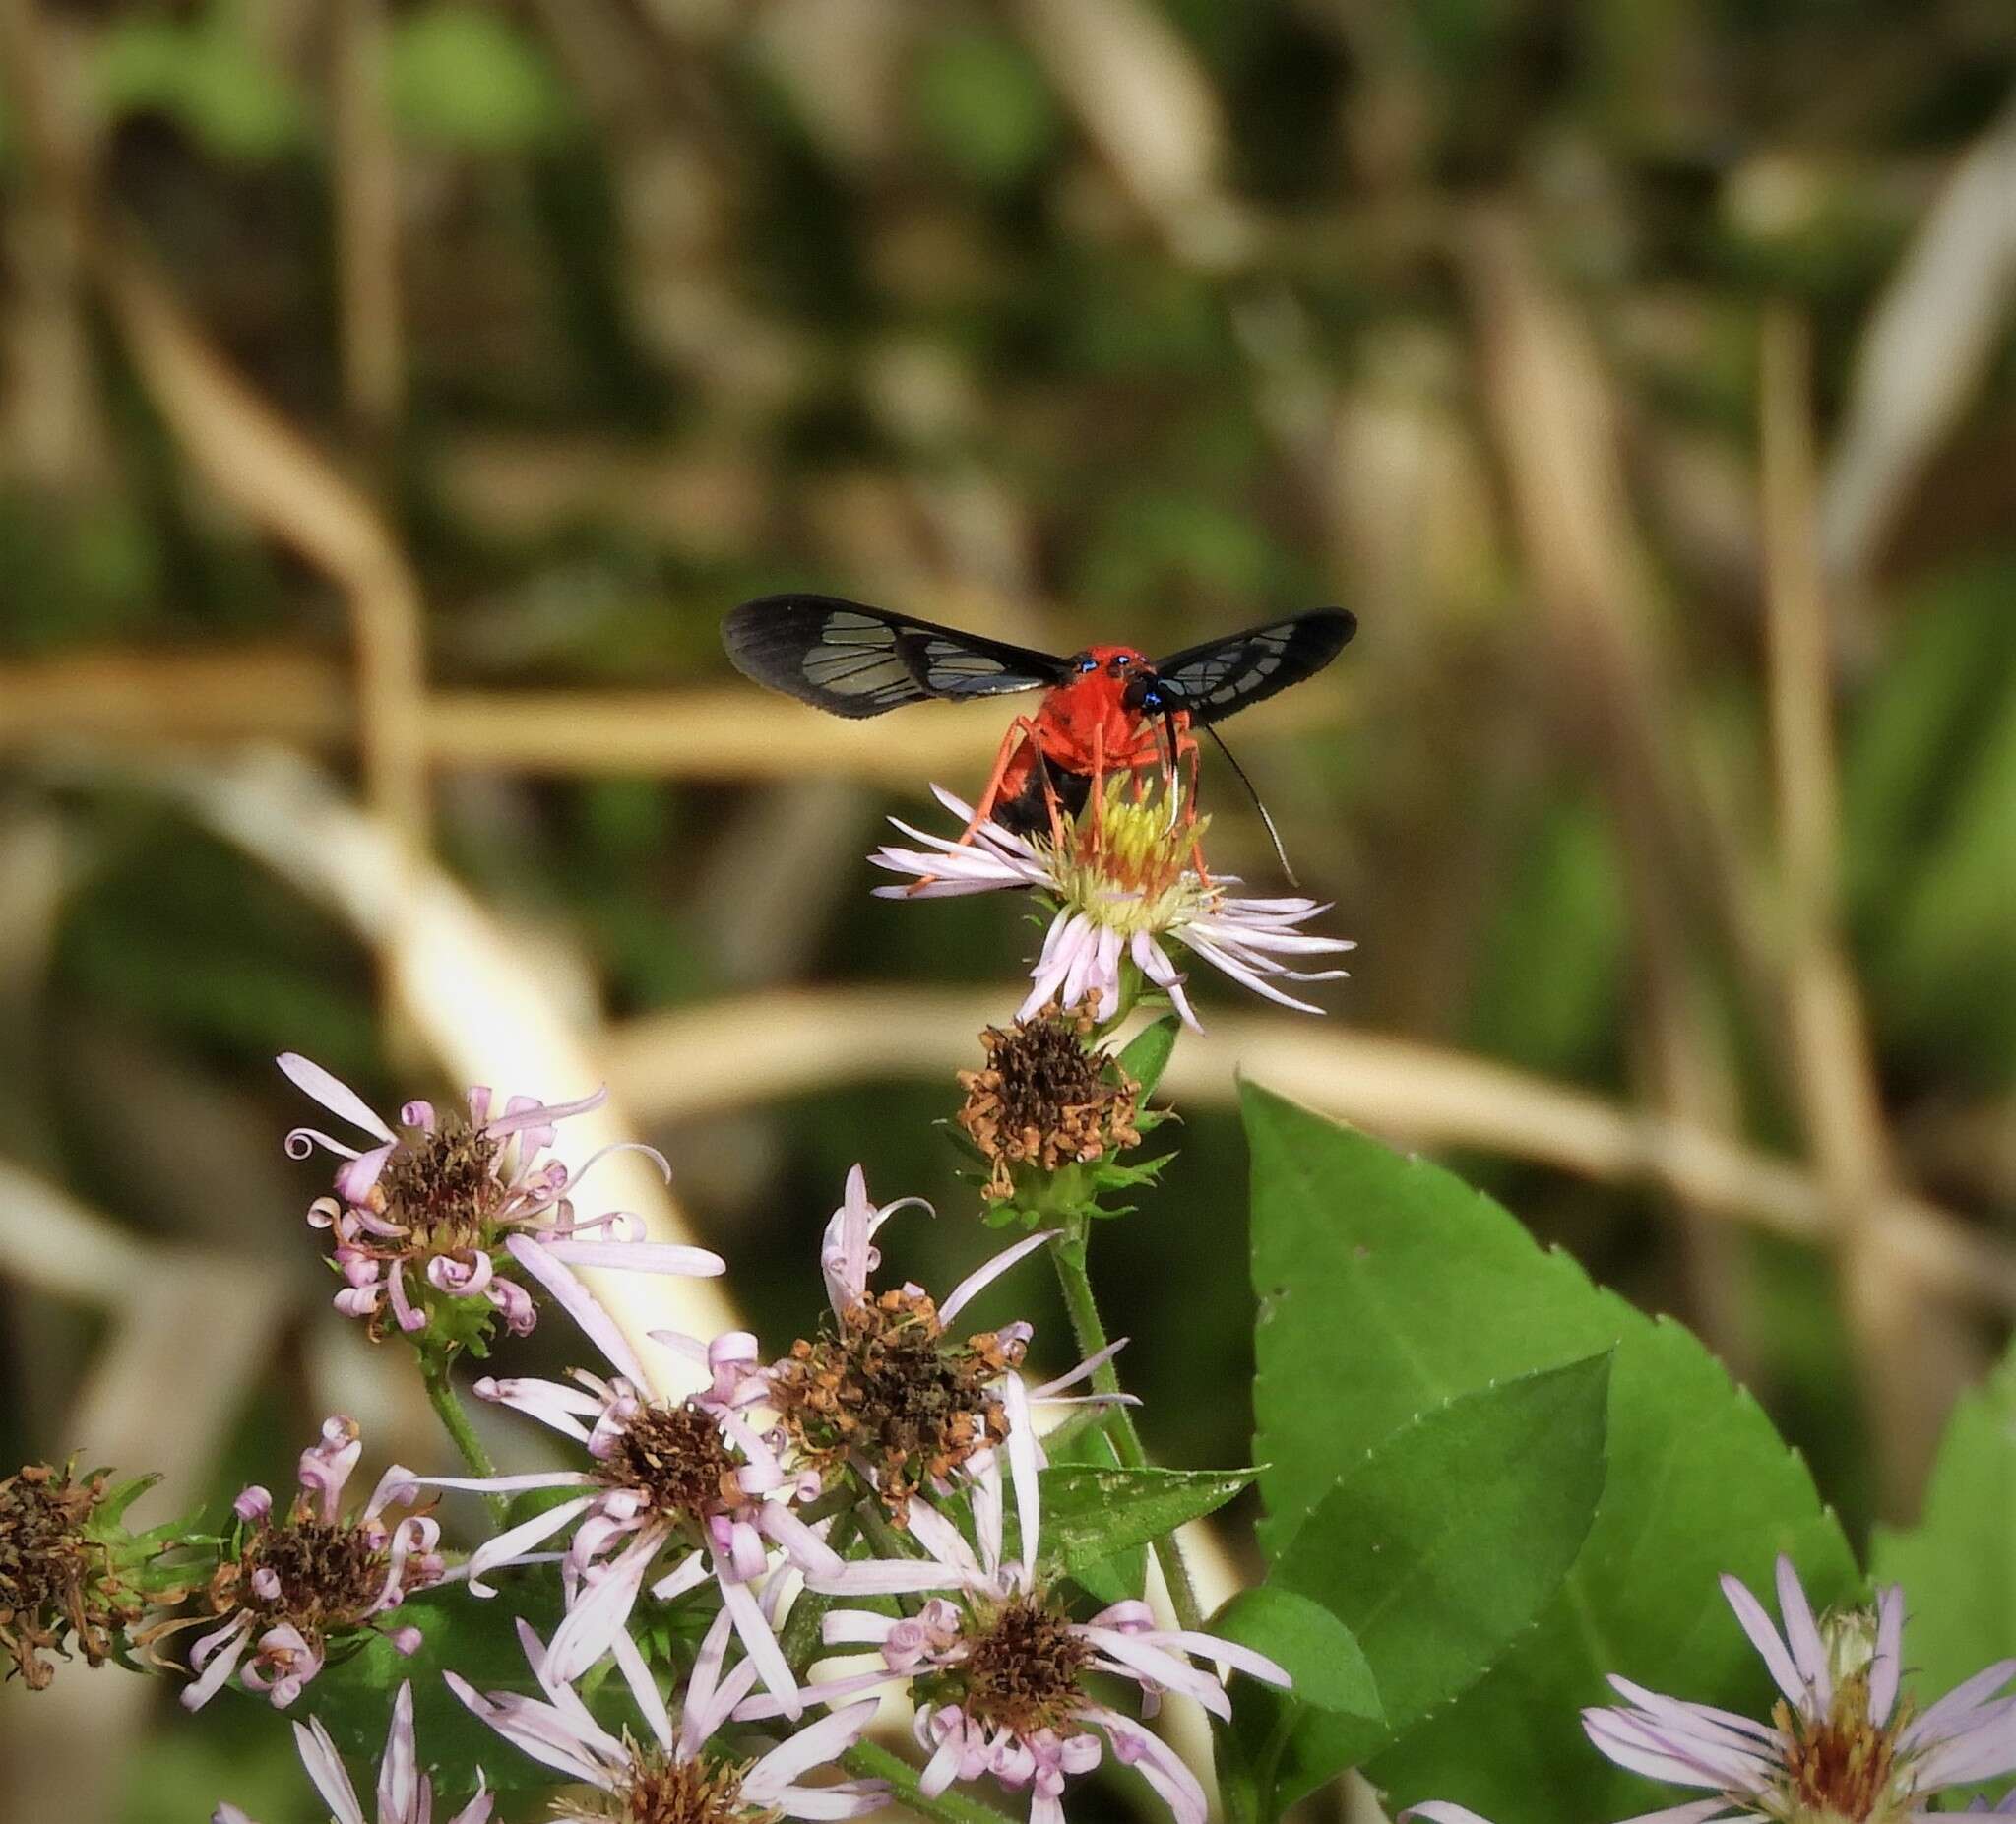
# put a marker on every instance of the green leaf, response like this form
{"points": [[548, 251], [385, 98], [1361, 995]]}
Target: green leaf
{"points": [[1442, 1546], [1308, 1643], [980, 98], [1958, 1565], [1125, 1573], [1093, 1514], [461, 1633], [467, 77], [1146, 1055], [1386, 1287]]}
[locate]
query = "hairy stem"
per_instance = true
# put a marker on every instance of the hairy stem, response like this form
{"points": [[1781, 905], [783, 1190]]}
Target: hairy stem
{"points": [[866, 1759], [448, 1407], [1067, 1253]]}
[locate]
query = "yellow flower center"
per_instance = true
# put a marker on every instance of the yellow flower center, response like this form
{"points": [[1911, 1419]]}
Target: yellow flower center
{"points": [[1126, 862]]}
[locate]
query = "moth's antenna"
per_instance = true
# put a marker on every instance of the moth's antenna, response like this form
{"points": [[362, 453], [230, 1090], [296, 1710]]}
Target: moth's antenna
{"points": [[1280, 853]]}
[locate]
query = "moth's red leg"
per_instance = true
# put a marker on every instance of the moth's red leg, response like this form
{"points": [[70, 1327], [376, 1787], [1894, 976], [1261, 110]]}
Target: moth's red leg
{"points": [[1186, 745], [1020, 730], [1099, 790]]}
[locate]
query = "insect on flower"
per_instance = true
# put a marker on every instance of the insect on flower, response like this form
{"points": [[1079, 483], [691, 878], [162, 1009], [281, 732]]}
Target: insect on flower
{"points": [[1107, 709]]}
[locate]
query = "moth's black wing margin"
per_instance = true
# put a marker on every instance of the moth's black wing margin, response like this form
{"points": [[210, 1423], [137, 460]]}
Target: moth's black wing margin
{"points": [[855, 661], [1213, 680]]}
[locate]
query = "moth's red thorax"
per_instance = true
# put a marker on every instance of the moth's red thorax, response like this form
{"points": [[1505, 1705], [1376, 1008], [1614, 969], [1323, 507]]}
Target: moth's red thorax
{"points": [[1085, 720]]}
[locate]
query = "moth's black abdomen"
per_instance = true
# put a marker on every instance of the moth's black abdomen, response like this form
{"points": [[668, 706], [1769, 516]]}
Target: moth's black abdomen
{"points": [[1028, 814]]}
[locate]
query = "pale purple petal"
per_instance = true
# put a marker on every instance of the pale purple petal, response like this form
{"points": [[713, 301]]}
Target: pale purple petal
{"points": [[639, 1257], [983, 1276], [331, 1093], [514, 1541], [812, 1747], [580, 1304], [399, 1772], [326, 1769], [1803, 1634], [1886, 1668], [1764, 1636]]}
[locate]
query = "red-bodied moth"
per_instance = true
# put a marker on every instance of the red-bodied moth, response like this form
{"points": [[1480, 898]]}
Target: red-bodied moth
{"points": [[1105, 710]]}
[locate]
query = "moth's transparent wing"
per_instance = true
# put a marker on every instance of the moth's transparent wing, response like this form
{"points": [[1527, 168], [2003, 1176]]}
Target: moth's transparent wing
{"points": [[855, 661], [1213, 680]]}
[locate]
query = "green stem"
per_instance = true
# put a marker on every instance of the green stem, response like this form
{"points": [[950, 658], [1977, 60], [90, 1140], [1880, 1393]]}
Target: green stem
{"points": [[1067, 1253], [870, 1762], [448, 1407]]}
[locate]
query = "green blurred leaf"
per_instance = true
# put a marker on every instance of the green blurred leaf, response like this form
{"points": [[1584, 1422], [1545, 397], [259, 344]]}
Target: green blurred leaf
{"points": [[209, 72], [1387, 1286], [467, 77], [1958, 1565], [1308, 1643], [1440, 1547], [982, 100], [1551, 962]]}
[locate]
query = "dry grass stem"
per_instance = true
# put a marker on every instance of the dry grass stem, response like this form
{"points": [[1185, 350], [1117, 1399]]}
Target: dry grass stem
{"points": [[1835, 1075], [709, 1059]]}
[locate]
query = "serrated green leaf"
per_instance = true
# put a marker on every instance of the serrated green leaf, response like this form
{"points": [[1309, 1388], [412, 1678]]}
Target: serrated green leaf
{"points": [[1390, 1285], [1146, 1055], [1125, 1573], [1436, 1589], [1093, 1514], [1958, 1565], [1308, 1643]]}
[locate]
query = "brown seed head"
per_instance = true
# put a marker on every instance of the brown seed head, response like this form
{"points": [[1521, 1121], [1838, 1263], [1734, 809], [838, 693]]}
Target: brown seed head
{"points": [[665, 1791], [677, 1455], [442, 1187], [1022, 1669], [54, 1579], [1043, 1099], [893, 1391]]}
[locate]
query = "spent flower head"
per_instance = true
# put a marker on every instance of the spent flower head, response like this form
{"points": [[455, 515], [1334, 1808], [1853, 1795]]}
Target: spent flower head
{"points": [[404, 1795], [889, 1391], [1840, 1746], [70, 1573], [1046, 1098], [300, 1581], [1125, 881], [418, 1219], [676, 1492]]}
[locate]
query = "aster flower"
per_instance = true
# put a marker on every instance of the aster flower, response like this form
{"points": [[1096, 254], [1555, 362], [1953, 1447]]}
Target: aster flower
{"points": [[998, 1666], [1839, 1748], [70, 1573], [406, 1795], [674, 1775], [889, 1391], [418, 1222], [294, 1583], [675, 1493], [1123, 880]]}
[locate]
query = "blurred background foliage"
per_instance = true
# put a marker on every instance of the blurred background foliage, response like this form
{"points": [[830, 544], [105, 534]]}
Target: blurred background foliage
{"points": [[412, 386]]}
